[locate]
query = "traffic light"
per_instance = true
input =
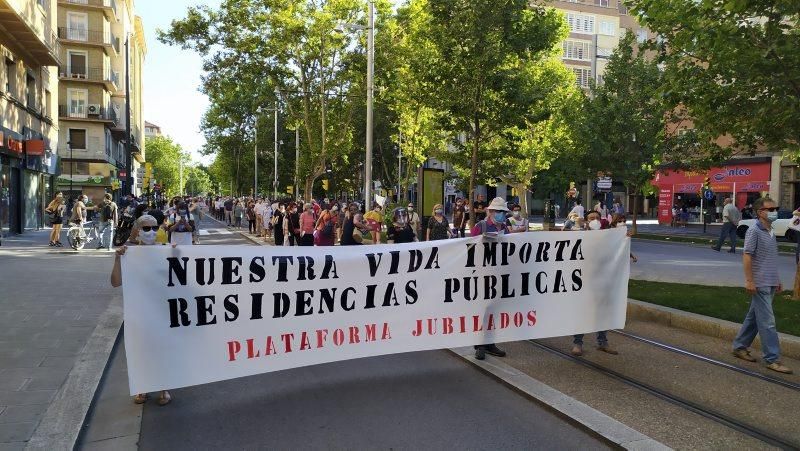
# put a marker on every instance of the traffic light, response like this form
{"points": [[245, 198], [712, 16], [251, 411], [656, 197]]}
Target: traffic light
{"points": [[290, 189], [325, 185], [706, 183]]}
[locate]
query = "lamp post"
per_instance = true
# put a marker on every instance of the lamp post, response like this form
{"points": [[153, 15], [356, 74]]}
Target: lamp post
{"points": [[370, 28], [255, 153], [275, 169], [71, 167]]}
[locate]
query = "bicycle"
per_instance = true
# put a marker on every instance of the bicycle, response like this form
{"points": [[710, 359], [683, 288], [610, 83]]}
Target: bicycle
{"points": [[77, 237]]}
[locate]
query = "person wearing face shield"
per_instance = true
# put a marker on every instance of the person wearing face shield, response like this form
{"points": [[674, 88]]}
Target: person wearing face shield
{"points": [[493, 224], [400, 231], [762, 281], [593, 223], [148, 228]]}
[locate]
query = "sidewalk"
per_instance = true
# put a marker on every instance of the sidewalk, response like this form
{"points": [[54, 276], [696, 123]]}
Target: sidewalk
{"points": [[52, 301]]}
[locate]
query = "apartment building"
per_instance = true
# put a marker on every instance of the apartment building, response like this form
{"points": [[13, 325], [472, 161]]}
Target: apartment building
{"points": [[95, 37], [596, 27], [29, 58], [151, 130]]}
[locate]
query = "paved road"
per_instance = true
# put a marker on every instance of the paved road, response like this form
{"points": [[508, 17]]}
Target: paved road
{"points": [[681, 263], [422, 400]]}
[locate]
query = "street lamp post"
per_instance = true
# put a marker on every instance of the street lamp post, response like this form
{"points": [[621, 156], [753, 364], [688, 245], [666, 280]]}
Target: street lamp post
{"points": [[71, 167], [255, 154], [275, 169]]}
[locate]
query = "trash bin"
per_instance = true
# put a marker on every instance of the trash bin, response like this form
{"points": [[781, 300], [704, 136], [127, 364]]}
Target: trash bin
{"points": [[549, 214]]}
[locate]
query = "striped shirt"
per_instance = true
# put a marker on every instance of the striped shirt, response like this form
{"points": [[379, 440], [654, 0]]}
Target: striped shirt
{"points": [[760, 244]]}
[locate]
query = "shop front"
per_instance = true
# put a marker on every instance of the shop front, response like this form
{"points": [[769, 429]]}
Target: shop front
{"points": [[744, 181]]}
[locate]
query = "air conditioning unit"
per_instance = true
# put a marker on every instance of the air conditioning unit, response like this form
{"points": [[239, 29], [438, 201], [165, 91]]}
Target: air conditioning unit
{"points": [[93, 110]]}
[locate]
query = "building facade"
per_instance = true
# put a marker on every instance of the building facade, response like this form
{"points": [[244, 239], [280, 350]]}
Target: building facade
{"points": [[29, 60], [95, 37], [151, 130]]}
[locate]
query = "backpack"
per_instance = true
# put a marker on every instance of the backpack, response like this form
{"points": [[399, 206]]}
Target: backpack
{"points": [[107, 213]]}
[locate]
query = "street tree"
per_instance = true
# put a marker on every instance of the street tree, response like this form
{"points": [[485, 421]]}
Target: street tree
{"points": [[165, 155], [480, 46], [733, 69], [625, 119]]}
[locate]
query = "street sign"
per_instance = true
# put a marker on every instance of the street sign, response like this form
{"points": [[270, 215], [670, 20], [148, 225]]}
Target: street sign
{"points": [[604, 183], [122, 175], [708, 194]]}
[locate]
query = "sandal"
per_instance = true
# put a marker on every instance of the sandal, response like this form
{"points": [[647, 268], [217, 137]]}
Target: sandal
{"points": [[140, 398], [164, 399]]}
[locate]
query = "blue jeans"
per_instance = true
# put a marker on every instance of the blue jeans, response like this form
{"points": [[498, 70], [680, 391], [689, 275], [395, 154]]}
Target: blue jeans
{"points": [[760, 320], [602, 339], [728, 231], [106, 233]]}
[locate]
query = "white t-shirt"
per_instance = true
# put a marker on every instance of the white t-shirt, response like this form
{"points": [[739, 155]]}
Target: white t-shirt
{"points": [[579, 210]]}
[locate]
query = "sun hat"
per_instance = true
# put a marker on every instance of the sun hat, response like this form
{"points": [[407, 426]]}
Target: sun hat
{"points": [[497, 204]]}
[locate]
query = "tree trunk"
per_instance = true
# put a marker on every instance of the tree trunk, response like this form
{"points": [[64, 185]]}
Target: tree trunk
{"points": [[635, 210], [522, 191], [474, 168]]}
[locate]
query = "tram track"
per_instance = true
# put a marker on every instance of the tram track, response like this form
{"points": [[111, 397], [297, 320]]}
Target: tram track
{"points": [[677, 350], [711, 414]]}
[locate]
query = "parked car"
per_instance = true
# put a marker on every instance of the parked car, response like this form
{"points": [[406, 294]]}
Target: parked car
{"points": [[780, 226]]}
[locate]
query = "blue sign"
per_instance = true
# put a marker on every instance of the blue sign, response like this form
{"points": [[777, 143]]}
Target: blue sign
{"points": [[708, 194]]}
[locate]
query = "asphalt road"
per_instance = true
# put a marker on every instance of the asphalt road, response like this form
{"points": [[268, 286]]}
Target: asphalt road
{"points": [[682, 263], [423, 400]]}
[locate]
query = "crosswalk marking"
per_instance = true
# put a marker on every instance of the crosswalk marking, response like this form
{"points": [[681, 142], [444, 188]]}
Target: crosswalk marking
{"points": [[215, 232]]}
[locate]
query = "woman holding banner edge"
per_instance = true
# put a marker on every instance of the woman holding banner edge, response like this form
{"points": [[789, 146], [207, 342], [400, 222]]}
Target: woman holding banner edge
{"points": [[490, 227], [148, 227]]}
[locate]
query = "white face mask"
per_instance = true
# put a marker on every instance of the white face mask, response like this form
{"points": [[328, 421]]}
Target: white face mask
{"points": [[148, 237], [594, 224], [622, 225], [516, 214]]}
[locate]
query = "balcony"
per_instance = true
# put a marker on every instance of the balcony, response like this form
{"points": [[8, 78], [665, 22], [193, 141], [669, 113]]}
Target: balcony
{"points": [[93, 37], [93, 74], [26, 32], [88, 113], [109, 7]]}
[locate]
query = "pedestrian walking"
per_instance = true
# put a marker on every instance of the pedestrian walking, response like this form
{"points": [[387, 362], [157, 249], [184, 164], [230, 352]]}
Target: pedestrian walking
{"points": [[493, 225], [251, 217], [228, 208], [438, 227], [238, 214], [196, 216], [730, 220], [760, 261], [108, 219], [593, 223], [148, 228], [56, 209]]}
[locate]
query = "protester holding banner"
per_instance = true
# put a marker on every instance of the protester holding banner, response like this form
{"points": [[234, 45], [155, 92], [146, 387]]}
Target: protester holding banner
{"points": [[493, 224], [400, 231], [516, 223], [148, 228], [593, 223]]}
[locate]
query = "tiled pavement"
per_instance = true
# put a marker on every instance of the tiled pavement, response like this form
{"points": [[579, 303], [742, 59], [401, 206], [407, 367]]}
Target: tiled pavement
{"points": [[51, 300]]}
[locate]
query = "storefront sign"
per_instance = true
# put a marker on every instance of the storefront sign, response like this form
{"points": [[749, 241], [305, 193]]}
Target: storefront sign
{"points": [[746, 172], [665, 205], [14, 145], [34, 147], [753, 187], [85, 179], [200, 314], [688, 188]]}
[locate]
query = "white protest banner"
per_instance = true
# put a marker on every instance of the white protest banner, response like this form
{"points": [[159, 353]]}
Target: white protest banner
{"points": [[199, 314]]}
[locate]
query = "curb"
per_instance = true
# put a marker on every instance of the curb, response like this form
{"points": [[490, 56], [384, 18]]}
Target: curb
{"points": [[608, 429], [704, 325], [61, 424], [650, 240]]}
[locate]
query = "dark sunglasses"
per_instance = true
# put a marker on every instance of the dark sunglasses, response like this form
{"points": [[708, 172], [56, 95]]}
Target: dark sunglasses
{"points": [[149, 228], [769, 209]]}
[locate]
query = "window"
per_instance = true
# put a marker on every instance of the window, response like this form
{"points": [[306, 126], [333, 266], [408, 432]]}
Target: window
{"points": [[77, 138], [603, 3], [603, 52], [30, 90], [77, 26], [580, 23], [11, 77], [576, 50], [582, 76], [623, 10], [77, 99], [641, 36], [77, 63], [607, 28], [46, 107]]}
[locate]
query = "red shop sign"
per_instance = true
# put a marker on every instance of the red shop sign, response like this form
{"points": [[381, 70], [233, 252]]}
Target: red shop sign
{"points": [[34, 147], [14, 145], [727, 174]]}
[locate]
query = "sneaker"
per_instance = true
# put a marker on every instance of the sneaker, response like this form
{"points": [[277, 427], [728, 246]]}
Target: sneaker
{"points": [[480, 353], [744, 354], [715, 248], [775, 366], [607, 349], [577, 350], [51, 244], [495, 351]]}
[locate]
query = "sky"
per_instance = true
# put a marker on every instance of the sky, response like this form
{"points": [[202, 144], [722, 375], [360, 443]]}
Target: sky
{"points": [[172, 77]]}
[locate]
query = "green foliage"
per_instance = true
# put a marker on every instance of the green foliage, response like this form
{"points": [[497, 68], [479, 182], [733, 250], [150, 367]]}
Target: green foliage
{"points": [[197, 181], [165, 156], [733, 68]]}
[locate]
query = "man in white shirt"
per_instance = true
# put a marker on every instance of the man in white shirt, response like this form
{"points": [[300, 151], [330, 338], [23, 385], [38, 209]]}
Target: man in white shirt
{"points": [[578, 209], [730, 220]]}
